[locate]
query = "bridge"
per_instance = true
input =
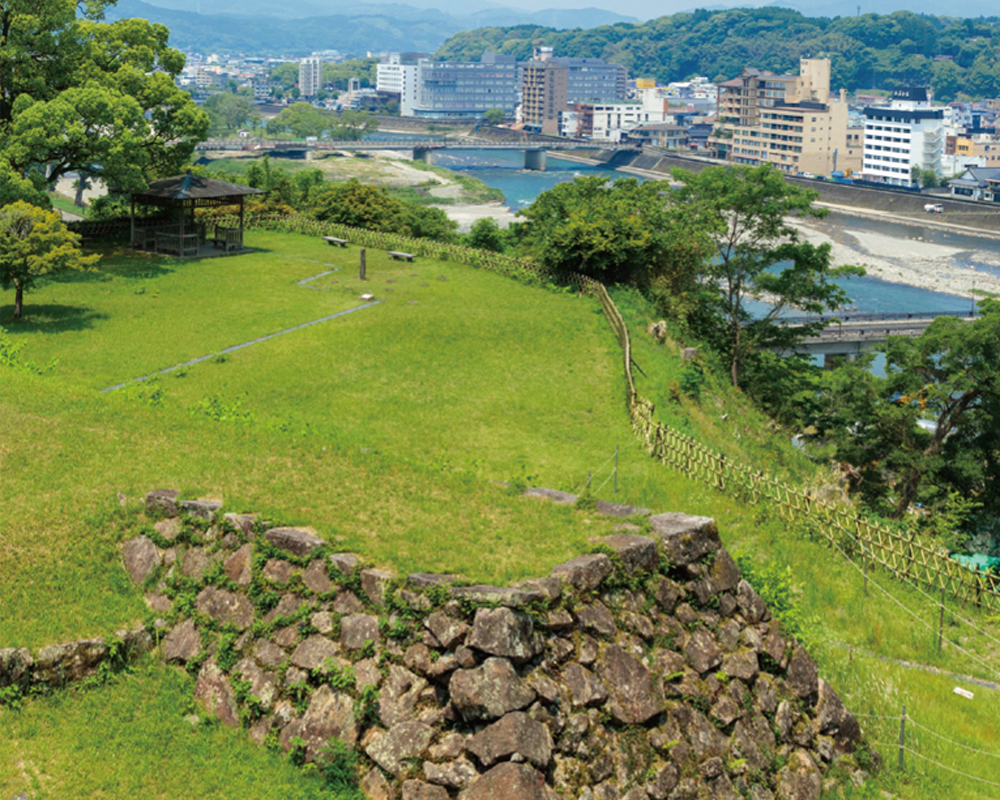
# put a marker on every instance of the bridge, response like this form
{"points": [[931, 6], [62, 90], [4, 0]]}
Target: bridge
{"points": [[846, 336], [534, 152]]}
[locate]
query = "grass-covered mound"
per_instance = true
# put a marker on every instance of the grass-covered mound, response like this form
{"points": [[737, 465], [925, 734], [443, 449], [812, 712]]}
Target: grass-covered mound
{"points": [[385, 429]]}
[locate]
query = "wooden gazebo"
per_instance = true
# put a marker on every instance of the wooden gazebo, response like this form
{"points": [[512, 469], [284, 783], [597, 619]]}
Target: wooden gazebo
{"points": [[186, 192]]}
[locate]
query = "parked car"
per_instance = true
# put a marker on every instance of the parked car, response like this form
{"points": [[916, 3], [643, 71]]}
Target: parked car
{"points": [[934, 208]]}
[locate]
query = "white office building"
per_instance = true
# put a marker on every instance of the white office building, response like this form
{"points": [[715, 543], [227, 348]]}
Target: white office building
{"points": [[909, 132], [400, 75], [310, 76]]}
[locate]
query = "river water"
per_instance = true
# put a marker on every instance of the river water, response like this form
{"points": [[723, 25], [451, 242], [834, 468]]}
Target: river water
{"points": [[504, 170]]}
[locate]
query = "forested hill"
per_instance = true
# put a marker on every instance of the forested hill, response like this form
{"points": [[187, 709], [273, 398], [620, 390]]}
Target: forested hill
{"points": [[867, 51]]}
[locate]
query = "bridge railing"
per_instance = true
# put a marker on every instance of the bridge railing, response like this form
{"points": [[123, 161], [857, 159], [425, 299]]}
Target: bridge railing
{"points": [[853, 316]]}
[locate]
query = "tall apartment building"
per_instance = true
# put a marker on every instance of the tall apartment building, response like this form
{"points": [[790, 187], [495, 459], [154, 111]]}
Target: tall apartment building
{"points": [[310, 76], [551, 86], [789, 121], [399, 74], [466, 90], [544, 96], [909, 132]]}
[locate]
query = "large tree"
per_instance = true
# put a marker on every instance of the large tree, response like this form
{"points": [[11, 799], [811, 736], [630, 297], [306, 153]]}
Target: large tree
{"points": [[34, 242], [618, 232], [757, 258], [81, 95], [949, 378]]}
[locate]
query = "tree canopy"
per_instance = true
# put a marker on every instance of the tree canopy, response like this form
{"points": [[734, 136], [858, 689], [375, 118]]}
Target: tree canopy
{"points": [[81, 95], [757, 257], [34, 242], [300, 120], [616, 232], [949, 377]]}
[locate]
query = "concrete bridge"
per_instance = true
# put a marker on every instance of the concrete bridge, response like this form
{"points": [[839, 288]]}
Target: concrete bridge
{"points": [[534, 152], [845, 337]]}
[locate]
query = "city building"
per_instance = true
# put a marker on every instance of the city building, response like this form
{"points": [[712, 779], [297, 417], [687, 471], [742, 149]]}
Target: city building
{"points": [[399, 74], [977, 183], [466, 90], [790, 121], [544, 96], [909, 132], [310, 76]]}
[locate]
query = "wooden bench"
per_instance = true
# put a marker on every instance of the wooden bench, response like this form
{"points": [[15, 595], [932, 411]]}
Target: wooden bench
{"points": [[227, 238], [333, 241], [395, 254]]}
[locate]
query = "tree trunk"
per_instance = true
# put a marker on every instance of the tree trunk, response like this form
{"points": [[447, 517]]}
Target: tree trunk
{"points": [[18, 300]]}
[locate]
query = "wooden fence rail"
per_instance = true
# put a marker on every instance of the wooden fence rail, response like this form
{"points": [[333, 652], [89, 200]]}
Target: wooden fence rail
{"points": [[903, 554]]}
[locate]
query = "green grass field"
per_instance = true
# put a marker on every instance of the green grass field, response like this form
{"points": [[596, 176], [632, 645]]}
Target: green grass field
{"points": [[385, 429]]}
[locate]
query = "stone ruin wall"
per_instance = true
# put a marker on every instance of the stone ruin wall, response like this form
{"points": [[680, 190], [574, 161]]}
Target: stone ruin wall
{"points": [[646, 671]]}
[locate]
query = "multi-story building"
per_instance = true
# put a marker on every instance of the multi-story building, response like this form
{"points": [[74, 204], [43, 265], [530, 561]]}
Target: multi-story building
{"points": [[399, 74], [466, 90], [544, 96], [789, 121], [310, 76], [610, 121], [907, 133], [590, 80]]}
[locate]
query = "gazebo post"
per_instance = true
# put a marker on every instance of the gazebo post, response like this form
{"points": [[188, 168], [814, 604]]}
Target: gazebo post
{"points": [[131, 221], [241, 222]]}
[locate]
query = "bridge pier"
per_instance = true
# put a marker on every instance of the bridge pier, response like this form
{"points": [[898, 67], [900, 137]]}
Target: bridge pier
{"points": [[834, 360], [424, 154], [535, 160]]}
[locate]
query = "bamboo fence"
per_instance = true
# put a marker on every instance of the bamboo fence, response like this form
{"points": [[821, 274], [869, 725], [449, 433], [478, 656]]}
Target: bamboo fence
{"points": [[901, 553]]}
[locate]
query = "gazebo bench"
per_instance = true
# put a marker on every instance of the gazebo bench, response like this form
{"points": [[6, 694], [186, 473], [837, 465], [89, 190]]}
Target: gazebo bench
{"points": [[227, 238], [333, 241], [398, 256]]}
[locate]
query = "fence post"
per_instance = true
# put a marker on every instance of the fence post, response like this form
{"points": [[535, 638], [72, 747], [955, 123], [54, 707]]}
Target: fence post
{"points": [[722, 466], [902, 736], [941, 621], [588, 480]]}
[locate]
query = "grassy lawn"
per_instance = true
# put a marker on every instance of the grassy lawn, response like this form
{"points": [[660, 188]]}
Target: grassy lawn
{"points": [[130, 739], [385, 430]]}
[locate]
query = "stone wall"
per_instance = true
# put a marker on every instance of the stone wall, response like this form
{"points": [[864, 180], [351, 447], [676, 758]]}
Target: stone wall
{"points": [[645, 670], [59, 665]]}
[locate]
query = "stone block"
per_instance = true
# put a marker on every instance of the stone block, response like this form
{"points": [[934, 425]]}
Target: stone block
{"points": [[584, 572], [374, 582], [316, 578], [514, 733], [345, 562], [562, 498], [508, 781], [685, 538], [621, 510], [226, 606], [504, 632], [163, 501], [183, 643], [296, 541], [140, 557], [357, 630], [403, 742], [637, 553], [501, 595], [489, 691], [200, 509], [423, 580]]}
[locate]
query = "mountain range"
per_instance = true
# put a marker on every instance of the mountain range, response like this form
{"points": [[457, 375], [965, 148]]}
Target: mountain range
{"points": [[263, 27]]}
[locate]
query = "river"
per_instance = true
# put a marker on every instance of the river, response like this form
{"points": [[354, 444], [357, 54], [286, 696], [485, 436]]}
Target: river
{"points": [[870, 241]]}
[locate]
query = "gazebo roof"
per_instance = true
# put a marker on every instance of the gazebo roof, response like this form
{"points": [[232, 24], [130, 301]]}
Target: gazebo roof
{"points": [[185, 189]]}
